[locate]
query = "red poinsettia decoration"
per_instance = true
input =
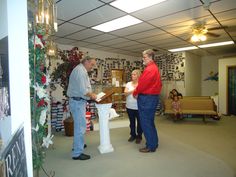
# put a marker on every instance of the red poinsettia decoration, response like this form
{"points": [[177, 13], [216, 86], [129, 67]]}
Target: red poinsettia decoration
{"points": [[71, 58], [43, 79]]}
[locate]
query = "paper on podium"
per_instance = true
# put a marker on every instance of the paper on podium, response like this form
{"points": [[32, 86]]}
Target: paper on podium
{"points": [[105, 96], [99, 96]]}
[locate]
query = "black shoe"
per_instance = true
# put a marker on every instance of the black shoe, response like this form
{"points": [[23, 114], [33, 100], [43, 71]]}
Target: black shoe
{"points": [[146, 150], [131, 139], [138, 140], [82, 157]]}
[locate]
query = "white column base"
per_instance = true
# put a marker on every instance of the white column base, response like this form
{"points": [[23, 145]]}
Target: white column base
{"points": [[105, 148], [103, 113]]}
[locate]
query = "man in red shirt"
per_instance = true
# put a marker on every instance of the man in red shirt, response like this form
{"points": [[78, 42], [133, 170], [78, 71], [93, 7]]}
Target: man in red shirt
{"points": [[147, 93]]}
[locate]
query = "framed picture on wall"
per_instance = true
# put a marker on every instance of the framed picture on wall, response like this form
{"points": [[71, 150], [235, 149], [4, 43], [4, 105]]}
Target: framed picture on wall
{"points": [[4, 86]]}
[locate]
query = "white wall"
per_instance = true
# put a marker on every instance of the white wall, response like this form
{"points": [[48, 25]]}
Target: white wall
{"points": [[192, 75], [18, 74], [223, 65], [3, 18], [209, 64]]}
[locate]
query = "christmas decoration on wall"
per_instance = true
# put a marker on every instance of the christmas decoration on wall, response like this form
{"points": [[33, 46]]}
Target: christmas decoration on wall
{"points": [[42, 24], [172, 66], [213, 76], [71, 58], [39, 96]]}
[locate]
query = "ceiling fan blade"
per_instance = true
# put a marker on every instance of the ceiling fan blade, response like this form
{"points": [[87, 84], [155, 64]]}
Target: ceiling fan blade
{"points": [[231, 28], [217, 28], [213, 34], [188, 39]]}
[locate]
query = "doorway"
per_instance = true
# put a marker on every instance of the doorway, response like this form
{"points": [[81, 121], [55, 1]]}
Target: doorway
{"points": [[232, 90]]}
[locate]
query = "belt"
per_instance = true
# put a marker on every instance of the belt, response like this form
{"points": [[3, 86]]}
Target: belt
{"points": [[78, 98], [148, 94]]}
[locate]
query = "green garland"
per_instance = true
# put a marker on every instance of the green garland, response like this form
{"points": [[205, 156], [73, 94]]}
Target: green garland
{"points": [[39, 96]]}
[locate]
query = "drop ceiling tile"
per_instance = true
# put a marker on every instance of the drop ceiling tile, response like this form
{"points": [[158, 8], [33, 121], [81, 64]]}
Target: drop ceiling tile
{"points": [[129, 53], [84, 34], [172, 18], [106, 48], [113, 41], [226, 15], [231, 25], [222, 6], [106, 1], [64, 41], [137, 46], [124, 44], [67, 10], [133, 29], [102, 37], [165, 8], [180, 17], [98, 16], [170, 45], [144, 34], [81, 43], [94, 46], [60, 22], [68, 28], [154, 38]]}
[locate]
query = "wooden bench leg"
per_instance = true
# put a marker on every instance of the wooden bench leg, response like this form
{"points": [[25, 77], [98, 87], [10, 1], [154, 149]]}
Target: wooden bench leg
{"points": [[204, 119]]}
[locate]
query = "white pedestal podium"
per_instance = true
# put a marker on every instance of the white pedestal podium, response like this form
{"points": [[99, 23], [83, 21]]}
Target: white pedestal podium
{"points": [[103, 113]]}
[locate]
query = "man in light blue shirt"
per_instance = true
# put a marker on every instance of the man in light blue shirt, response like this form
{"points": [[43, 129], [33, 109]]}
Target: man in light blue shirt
{"points": [[79, 91]]}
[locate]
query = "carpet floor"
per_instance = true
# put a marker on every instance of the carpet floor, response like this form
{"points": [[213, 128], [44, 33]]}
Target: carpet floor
{"points": [[178, 155]]}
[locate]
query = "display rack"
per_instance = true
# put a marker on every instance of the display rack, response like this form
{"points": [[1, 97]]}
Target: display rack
{"points": [[118, 100]]}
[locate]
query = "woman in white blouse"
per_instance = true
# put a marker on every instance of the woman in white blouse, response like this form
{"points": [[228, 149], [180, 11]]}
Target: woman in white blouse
{"points": [[132, 108]]}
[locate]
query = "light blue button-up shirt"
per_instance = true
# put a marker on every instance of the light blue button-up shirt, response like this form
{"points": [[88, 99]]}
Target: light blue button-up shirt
{"points": [[79, 83]]}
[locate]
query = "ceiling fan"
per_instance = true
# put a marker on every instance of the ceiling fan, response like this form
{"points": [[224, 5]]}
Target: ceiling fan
{"points": [[200, 32]]}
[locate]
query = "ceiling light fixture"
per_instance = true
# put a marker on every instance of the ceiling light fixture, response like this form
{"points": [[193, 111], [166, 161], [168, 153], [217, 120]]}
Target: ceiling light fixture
{"points": [[198, 38], [118, 23], [51, 48], [216, 44], [199, 34], [202, 46], [183, 49], [131, 5], [46, 14]]}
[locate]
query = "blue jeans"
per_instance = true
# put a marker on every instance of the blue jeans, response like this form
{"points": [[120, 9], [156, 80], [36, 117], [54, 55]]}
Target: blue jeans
{"points": [[133, 116], [78, 111], [147, 105]]}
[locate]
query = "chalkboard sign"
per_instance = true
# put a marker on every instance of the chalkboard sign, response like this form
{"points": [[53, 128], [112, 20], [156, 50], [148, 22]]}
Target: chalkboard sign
{"points": [[14, 157]]}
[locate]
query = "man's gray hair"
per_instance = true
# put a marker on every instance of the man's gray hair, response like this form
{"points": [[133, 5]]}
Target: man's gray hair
{"points": [[86, 58], [150, 53]]}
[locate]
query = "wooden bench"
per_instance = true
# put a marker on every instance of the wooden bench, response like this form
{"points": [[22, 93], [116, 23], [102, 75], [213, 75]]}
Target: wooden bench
{"points": [[196, 97], [205, 107]]}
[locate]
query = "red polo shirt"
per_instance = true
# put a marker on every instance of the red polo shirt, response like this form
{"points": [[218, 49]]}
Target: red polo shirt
{"points": [[150, 81]]}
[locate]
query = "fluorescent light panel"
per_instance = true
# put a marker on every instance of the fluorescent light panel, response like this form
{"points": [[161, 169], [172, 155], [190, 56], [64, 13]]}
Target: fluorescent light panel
{"points": [[183, 49], [118, 23], [202, 46], [134, 5], [216, 44]]}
